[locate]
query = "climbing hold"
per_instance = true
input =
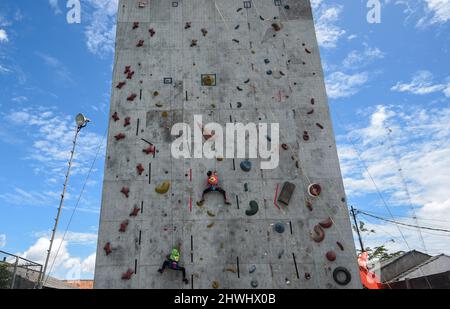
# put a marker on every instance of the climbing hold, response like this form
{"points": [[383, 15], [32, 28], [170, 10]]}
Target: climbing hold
{"points": [[231, 270], [239, 104], [165, 114], [287, 7], [236, 41], [286, 193], [140, 169], [125, 191], [211, 214], [253, 209], [239, 88], [135, 211], [254, 284], [318, 234], [132, 97], [252, 269], [130, 75], [188, 25], [307, 50], [313, 101], [128, 274], [119, 136], [269, 72], [163, 188], [331, 256], [266, 61], [215, 285], [326, 224], [208, 80], [288, 282], [309, 205], [120, 85], [311, 112], [194, 43], [246, 166], [210, 225], [341, 246], [305, 136], [246, 187], [200, 203], [307, 276], [319, 125], [280, 254], [276, 27], [140, 43], [159, 104], [279, 228], [314, 190], [150, 150], [204, 31], [247, 81], [123, 226], [127, 122], [220, 159], [285, 146], [115, 116], [342, 276], [156, 93], [152, 32], [135, 25], [127, 69], [108, 249], [237, 27]]}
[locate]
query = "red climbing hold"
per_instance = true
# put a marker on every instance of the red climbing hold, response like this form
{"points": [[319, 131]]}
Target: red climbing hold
{"points": [[135, 212], [108, 249], [150, 150], [115, 116], [130, 74], [331, 256], [127, 122], [128, 274], [140, 169], [123, 226], [127, 69], [125, 191], [120, 136], [132, 97], [309, 205], [120, 85], [140, 43], [318, 234], [326, 224], [285, 146]]}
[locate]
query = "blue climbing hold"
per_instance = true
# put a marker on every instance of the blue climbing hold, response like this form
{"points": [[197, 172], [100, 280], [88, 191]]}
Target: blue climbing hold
{"points": [[279, 228], [246, 165], [269, 72]]}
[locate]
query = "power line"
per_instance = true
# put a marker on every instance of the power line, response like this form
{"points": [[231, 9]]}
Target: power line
{"points": [[401, 223]]}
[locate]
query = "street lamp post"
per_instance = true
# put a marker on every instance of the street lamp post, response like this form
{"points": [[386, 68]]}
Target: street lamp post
{"points": [[81, 122]]}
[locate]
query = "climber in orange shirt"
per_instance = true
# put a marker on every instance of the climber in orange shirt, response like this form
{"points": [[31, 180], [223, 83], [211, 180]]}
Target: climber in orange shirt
{"points": [[213, 181]]}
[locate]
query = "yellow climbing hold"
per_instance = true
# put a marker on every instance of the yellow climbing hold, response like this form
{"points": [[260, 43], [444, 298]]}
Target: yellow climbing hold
{"points": [[165, 114], [211, 214], [215, 285], [208, 80], [210, 225], [163, 188]]}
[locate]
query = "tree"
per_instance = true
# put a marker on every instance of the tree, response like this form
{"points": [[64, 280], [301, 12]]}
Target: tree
{"points": [[5, 276], [379, 253]]}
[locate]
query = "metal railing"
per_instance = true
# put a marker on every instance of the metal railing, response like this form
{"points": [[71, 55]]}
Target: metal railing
{"points": [[18, 273]]}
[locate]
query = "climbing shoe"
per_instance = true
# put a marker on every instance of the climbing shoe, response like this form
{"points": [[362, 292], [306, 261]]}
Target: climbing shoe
{"points": [[160, 271]]}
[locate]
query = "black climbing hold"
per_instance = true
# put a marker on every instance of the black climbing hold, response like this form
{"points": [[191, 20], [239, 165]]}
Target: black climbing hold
{"points": [[266, 61], [253, 208], [246, 187], [279, 228], [286, 193], [254, 284], [246, 166], [287, 7], [239, 104], [342, 276], [269, 72]]}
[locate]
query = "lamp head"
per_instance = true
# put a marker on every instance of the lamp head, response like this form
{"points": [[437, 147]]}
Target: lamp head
{"points": [[81, 120]]}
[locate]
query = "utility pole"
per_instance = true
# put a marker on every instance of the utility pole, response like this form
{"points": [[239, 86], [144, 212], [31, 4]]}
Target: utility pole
{"points": [[81, 122], [357, 229]]}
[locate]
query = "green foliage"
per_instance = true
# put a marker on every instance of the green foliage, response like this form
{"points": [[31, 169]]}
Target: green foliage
{"points": [[5, 276]]}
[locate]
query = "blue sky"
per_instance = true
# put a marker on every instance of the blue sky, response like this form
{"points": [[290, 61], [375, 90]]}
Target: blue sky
{"points": [[389, 75]]}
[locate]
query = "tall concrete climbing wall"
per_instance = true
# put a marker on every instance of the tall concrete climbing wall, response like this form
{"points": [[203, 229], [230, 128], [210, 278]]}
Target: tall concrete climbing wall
{"points": [[229, 61]]}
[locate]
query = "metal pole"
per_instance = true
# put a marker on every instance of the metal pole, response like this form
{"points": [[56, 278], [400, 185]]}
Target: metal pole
{"points": [[357, 229], [60, 207], [13, 281]]}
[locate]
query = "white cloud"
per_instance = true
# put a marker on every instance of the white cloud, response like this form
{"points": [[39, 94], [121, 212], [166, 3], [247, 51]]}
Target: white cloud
{"points": [[340, 85], [60, 70], [326, 16], [419, 145], [422, 83], [3, 36], [436, 12], [2, 240], [358, 59], [101, 30], [55, 6], [65, 266]]}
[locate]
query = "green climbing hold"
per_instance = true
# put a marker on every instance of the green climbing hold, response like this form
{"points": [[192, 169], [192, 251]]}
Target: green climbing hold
{"points": [[246, 166], [253, 209]]}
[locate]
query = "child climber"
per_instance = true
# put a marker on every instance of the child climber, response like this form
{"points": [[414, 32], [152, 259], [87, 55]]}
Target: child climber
{"points": [[172, 262], [212, 186]]}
